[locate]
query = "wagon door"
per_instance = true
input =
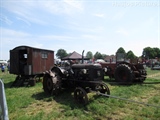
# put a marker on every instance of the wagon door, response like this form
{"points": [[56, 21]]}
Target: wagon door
{"points": [[39, 61], [44, 56], [14, 62]]}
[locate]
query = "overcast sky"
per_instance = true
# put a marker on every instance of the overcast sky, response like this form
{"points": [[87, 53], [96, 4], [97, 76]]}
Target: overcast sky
{"points": [[77, 25]]}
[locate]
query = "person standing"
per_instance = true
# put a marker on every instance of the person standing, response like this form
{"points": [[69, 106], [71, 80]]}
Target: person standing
{"points": [[3, 68]]}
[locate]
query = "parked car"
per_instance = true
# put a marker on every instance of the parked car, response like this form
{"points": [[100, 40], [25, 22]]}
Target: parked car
{"points": [[156, 67]]}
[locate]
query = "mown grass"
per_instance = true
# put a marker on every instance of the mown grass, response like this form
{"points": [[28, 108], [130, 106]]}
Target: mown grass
{"points": [[31, 103]]}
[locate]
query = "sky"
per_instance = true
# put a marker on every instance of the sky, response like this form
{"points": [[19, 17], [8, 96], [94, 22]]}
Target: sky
{"points": [[76, 25]]}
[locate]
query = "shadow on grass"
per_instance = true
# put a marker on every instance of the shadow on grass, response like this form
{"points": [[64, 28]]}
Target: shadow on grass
{"points": [[11, 85], [41, 96], [8, 85], [114, 83], [65, 97]]}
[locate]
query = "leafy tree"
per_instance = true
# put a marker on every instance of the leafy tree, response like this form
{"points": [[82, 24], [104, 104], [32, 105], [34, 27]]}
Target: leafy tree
{"points": [[104, 56], [89, 55], [61, 53], [130, 55], [157, 52], [150, 53], [121, 50], [98, 55]]}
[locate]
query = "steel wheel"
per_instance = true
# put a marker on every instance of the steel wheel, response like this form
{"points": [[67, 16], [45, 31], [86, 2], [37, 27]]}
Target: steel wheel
{"points": [[80, 95], [102, 88]]}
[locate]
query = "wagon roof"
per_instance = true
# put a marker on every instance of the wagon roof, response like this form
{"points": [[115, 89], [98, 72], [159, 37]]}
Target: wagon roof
{"points": [[23, 47], [74, 56]]}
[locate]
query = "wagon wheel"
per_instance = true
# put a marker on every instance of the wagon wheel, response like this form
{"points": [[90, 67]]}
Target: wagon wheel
{"points": [[37, 78], [31, 82], [80, 95], [51, 85], [102, 88]]}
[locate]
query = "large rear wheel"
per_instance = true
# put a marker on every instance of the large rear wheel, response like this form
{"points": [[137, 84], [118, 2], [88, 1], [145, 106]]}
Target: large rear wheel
{"points": [[123, 74], [51, 85]]}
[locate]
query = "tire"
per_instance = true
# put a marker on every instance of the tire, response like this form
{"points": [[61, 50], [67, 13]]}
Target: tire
{"points": [[123, 74], [51, 85]]}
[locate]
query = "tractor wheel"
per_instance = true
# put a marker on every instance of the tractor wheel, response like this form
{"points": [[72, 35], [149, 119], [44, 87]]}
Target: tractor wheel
{"points": [[102, 88], [51, 85], [123, 74], [80, 95]]}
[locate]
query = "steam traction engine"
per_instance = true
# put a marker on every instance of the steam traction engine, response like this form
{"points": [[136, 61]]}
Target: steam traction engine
{"points": [[83, 77]]}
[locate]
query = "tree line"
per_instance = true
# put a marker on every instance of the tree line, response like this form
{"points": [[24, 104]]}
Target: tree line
{"points": [[147, 53]]}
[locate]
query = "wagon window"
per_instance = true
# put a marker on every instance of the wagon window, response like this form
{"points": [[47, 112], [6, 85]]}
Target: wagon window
{"points": [[25, 55], [44, 55]]}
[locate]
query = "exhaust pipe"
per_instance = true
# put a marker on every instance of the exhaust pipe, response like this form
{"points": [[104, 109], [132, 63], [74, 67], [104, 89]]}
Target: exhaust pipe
{"points": [[82, 57]]}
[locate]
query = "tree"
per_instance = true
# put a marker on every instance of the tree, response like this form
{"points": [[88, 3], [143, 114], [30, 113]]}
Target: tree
{"points": [[121, 50], [130, 55], [104, 56], [89, 55], [98, 55], [61, 53], [157, 52], [150, 53]]}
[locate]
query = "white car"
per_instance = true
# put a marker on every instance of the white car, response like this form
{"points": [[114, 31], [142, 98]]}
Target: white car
{"points": [[156, 67]]}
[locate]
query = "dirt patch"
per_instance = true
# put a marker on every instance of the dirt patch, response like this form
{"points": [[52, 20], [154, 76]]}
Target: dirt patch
{"points": [[40, 106], [136, 108], [146, 97], [153, 75]]}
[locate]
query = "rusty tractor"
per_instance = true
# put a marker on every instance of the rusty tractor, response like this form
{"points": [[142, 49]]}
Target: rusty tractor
{"points": [[83, 78], [125, 71]]}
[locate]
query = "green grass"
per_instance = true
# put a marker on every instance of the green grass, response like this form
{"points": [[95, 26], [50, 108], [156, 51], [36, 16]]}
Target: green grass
{"points": [[31, 103]]}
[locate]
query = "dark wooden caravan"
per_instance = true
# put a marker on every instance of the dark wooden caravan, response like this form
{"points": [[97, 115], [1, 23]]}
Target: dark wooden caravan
{"points": [[28, 63]]}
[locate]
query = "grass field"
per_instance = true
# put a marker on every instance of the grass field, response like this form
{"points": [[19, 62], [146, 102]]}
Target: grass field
{"points": [[31, 103]]}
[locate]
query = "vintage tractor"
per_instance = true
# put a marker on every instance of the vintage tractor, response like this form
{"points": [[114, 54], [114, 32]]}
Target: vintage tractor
{"points": [[84, 78], [125, 71]]}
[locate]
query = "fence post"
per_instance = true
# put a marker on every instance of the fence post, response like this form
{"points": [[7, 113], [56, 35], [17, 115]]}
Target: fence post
{"points": [[3, 103]]}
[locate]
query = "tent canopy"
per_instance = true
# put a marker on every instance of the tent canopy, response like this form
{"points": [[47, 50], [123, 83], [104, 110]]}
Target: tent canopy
{"points": [[74, 56]]}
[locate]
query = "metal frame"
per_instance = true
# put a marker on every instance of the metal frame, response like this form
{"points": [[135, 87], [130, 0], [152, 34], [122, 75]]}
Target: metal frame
{"points": [[3, 103]]}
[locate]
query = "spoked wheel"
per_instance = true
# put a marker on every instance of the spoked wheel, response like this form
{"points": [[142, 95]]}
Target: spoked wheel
{"points": [[102, 88], [51, 85], [80, 95]]}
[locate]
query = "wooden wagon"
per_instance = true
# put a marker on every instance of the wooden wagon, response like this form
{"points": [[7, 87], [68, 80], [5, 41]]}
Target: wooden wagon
{"points": [[29, 63]]}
